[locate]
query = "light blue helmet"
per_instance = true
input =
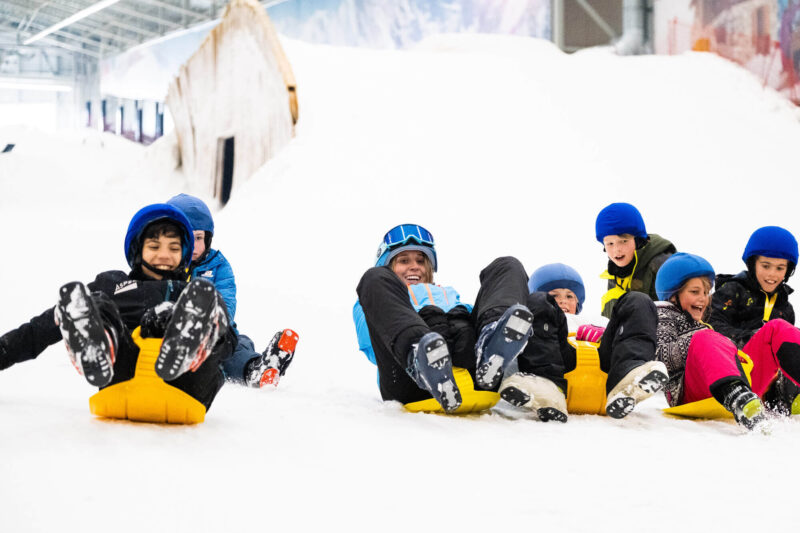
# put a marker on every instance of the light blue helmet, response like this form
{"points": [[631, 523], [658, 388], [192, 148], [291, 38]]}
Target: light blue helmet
{"points": [[679, 268], [403, 238], [195, 210], [558, 276]]}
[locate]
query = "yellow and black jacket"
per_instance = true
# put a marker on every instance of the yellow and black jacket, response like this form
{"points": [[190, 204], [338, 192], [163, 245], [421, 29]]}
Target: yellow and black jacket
{"points": [[641, 277], [739, 307]]}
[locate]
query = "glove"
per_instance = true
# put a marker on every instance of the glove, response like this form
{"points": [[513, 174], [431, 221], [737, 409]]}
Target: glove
{"points": [[435, 318], [461, 336], [154, 321], [589, 333]]}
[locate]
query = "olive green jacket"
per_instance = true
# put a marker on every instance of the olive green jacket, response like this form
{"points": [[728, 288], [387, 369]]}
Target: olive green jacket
{"points": [[649, 259]]}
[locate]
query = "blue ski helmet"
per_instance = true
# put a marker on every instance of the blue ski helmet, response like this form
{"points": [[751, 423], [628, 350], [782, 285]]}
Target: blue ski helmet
{"points": [[155, 213], [679, 268], [558, 276], [195, 210], [618, 219], [403, 238], [772, 241]]}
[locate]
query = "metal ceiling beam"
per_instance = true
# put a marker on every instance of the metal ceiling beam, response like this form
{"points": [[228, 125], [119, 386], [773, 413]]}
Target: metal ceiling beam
{"points": [[83, 26], [93, 23], [144, 16], [48, 42], [175, 9], [37, 26]]}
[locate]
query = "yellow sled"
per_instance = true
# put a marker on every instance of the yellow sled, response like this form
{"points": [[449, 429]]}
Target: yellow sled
{"points": [[586, 385], [472, 401], [146, 397], [710, 407]]}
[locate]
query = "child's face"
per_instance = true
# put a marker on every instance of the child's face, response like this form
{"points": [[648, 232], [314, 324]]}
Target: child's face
{"points": [[199, 244], [770, 272], [410, 267], [163, 253], [620, 248], [693, 298], [566, 300]]}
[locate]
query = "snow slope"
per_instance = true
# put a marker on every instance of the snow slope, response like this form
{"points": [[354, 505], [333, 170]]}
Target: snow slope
{"points": [[499, 145]]}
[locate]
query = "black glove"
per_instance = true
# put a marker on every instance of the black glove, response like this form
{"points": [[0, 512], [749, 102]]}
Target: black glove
{"points": [[461, 337], [154, 321], [436, 319]]}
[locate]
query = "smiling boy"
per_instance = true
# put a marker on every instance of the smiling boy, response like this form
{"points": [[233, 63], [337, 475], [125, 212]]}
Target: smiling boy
{"points": [[634, 256], [744, 302]]}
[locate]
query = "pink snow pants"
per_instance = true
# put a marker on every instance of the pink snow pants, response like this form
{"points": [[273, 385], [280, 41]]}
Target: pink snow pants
{"points": [[712, 356]]}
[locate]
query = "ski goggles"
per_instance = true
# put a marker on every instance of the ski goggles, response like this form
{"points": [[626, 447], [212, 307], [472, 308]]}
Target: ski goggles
{"points": [[403, 235]]}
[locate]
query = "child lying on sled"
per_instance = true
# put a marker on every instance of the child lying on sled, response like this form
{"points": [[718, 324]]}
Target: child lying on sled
{"points": [[703, 363], [96, 321], [755, 302], [627, 358]]}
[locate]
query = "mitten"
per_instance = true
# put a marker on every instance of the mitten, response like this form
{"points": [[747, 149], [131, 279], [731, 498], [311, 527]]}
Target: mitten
{"points": [[590, 333]]}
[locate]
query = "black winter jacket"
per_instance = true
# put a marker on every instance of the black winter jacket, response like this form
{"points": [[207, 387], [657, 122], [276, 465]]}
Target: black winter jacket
{"points": [[737, 308], [133, 294]]}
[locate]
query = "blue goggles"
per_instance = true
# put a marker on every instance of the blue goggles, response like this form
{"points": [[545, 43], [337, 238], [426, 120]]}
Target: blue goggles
{"points": [[402, 235]]}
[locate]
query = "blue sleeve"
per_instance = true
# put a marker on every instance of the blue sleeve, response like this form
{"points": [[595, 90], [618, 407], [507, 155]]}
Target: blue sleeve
{"points": [[454, 296], [223, 279], [364, 342]]}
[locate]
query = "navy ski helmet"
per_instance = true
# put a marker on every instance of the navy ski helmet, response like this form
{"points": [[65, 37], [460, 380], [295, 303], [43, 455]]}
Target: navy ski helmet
{"points": [[618, 219], [558, 276], [156, 213], [403, 238], [679, 268], [772, 241], [195, 210]]}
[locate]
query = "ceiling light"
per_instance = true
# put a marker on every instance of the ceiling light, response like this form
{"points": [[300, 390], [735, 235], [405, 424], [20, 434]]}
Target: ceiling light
{"points": [[72, 19]]}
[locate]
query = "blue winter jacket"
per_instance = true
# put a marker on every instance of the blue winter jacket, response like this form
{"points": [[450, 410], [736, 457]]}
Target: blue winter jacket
{"points": [[216, 269], [421, 295]]}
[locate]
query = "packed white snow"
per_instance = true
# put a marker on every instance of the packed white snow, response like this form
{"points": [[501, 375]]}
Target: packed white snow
{"points": [[499, 146]]}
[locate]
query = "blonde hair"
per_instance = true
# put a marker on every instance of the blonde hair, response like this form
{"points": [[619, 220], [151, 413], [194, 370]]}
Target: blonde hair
{"points": [[675, 298], [428, 275]]}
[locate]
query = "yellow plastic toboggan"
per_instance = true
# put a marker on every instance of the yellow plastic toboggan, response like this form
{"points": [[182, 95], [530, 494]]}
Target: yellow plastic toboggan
{"points": [[586, 390], [146, 397]]}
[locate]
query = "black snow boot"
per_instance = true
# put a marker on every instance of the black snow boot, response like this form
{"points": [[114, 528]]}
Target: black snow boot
{"points": [[198, 321], [500, 343], [431, 367], [739, 399], [91, 347], [268, 369]]}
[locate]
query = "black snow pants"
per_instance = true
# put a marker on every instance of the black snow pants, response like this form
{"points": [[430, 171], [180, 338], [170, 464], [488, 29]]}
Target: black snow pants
{"points": [[394, 326], [629, 340]]}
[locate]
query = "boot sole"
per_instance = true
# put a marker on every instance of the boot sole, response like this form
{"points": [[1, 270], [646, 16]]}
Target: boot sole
{"points": [[640, 389], [516, 326], [84, 334], [188, 335], [545, 406], [436, 372]]}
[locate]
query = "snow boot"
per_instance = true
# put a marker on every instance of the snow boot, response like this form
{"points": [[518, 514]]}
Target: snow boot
{"points": [[499, 343], [637, 385], [431, 367], [91, 347], [198, 321], [538, 394], [272, 364], [745, 405]]}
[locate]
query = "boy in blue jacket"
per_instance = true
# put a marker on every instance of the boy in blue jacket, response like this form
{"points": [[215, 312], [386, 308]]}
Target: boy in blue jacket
{"points": [[245, 366]]}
